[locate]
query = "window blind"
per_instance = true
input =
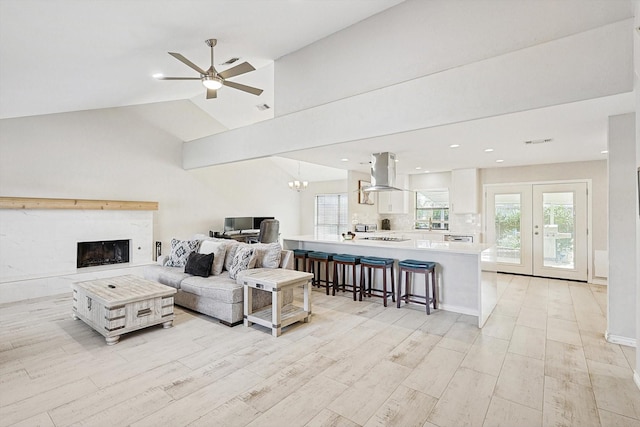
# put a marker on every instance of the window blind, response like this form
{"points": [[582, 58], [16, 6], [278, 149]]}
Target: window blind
{"points": [[331, 214]]}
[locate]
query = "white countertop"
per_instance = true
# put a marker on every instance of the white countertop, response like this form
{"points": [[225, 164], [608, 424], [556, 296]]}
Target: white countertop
{"points": [[414, 244]]}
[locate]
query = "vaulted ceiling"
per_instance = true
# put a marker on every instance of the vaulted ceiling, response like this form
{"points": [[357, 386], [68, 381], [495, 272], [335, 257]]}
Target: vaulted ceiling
{"points": [[69, 55]]}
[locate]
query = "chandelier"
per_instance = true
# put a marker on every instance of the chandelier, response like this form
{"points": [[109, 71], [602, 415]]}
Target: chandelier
{"points": [[297, 184]]}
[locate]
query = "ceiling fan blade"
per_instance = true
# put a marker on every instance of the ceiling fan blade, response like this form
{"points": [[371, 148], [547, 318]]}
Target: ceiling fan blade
{"points": [[212, 93], [187, 62], [245, 88], [245, 67], [178, 78]]}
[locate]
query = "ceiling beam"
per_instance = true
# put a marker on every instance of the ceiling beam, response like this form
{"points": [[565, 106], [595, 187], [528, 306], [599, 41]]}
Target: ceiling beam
{"points": [[583, 66]]}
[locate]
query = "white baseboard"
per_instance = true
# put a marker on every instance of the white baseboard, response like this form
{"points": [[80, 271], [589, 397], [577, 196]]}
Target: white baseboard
{"points": [[636, 378], [596, 281], [457, 309], [617, 339]]}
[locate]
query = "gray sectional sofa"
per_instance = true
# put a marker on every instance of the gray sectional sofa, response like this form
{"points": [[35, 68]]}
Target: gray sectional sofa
{"points": [[218, 295]]}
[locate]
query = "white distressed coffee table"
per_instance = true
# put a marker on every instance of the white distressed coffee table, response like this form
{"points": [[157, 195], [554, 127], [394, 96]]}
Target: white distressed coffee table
{"points": [[121, 304], [276, 280]]}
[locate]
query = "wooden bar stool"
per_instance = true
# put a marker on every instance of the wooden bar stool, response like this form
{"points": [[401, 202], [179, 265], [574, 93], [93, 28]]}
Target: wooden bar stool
{"points": [[367, 265], [411, 267], [345, 260], [301, 255], [315, 260]]}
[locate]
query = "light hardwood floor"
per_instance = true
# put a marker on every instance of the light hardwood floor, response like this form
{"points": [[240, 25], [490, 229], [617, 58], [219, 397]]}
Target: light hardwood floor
{"points": [[541, 360]]}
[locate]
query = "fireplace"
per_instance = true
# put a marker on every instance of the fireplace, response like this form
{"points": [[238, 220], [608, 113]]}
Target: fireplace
{"points": [[106, 252]]}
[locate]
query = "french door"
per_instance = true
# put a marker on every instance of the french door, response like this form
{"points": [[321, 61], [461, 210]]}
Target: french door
{"points": [[539, 229]]}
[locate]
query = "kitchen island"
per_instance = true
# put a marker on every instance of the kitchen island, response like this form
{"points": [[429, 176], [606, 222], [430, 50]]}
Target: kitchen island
{"points": [[466, 272]]}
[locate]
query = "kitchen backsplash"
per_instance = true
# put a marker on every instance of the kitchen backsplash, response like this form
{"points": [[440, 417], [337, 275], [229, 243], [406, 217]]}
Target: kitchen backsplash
{"points": [[458, 223]]}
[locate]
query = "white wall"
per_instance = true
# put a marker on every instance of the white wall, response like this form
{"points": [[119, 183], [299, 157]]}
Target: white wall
{"points": [[418, 38], [623, 214], [116, 154], [307, 201], [359, 213], [636, 67]]}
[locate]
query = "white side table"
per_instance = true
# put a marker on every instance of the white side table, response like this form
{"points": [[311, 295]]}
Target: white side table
{"points": [[276, 280]]}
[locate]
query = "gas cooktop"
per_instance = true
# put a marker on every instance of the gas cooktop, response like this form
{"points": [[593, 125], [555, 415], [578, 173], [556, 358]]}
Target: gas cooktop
{"points": [[386, 239]]}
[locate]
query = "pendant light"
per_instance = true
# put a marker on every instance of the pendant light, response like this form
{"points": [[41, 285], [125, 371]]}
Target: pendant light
{"points": [[297, 184]]}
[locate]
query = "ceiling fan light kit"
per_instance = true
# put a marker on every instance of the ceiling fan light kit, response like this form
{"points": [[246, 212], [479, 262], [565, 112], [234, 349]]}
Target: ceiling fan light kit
{"points": [[211, 82], [211, 79]]}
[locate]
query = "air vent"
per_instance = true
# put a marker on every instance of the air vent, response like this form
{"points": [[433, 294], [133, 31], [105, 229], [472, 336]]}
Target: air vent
{"points": [[262, 107], [538, 141], [230, 61]]}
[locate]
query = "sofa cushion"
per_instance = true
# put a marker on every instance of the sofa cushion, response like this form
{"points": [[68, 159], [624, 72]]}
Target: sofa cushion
{"points": [[180, 250], [232, 246], [199, 264], [219, 288], [267, 254], [170, 276], [242, 260], [218, 249]]}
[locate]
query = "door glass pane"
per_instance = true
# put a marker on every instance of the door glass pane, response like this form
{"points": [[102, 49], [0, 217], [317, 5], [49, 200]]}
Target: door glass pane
{"points": [[508, 228], [559, 220]]}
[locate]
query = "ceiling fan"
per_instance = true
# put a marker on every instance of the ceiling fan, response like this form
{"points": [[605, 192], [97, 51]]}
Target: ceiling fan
{"points": [[211, 78]]}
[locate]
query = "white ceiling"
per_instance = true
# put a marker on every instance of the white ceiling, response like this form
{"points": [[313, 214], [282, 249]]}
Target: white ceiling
{"points": [[69, 55], [578, 132]]}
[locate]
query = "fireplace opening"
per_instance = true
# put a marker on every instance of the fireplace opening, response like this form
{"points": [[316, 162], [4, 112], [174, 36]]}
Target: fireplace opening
{"points": [[106, 252]]}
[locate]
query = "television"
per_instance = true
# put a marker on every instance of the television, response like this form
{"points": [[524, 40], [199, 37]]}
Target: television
{"points": [[258, 219], [238, 223]]}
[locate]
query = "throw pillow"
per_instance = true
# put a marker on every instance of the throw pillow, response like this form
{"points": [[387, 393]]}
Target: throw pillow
{"points": [[199, 264], [267, 254], [232, 246], [180, 250], [244, 259], [218, 250]]}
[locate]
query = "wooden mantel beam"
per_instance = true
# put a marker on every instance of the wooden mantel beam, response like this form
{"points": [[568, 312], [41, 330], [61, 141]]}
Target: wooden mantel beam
{"points": [[86, 204]]}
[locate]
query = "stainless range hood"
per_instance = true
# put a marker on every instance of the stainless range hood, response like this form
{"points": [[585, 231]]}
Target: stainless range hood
{"points": [[383, 172]]}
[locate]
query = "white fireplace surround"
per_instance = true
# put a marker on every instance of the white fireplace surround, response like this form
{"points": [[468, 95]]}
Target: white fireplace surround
{"points": [[39, 243]]}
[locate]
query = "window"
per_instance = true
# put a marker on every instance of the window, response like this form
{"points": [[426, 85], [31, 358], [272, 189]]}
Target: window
{"points": [[331, 214], [432, 209]]}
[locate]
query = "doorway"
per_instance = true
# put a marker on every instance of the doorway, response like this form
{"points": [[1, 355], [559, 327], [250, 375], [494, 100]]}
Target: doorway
{"points": [[539, 229]]}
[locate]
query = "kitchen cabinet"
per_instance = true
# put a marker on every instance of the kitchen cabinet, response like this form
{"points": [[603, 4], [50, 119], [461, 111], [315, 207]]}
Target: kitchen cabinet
{"points": [[394, 202], [463, 195]]}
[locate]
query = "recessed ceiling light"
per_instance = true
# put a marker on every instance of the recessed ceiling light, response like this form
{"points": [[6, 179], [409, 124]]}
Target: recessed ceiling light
{"points": [[488, 150], [344, 160], [454, 146], [426, 171], [499, 161], [418, 168], [157, 75], [538, 141], [604, 152]]}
